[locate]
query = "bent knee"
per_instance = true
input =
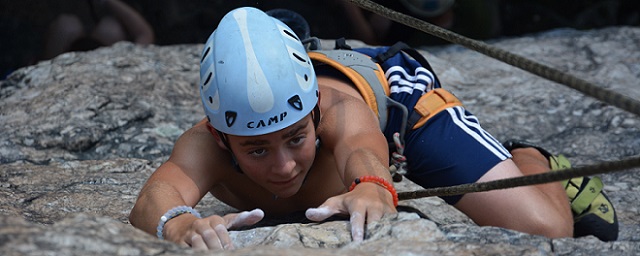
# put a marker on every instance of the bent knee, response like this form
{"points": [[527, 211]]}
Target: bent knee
{"points": [[556, 227], [558, 231]]}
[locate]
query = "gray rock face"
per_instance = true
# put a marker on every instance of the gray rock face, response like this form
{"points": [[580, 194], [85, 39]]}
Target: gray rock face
{"points": [[82, 133], [115, 102]]}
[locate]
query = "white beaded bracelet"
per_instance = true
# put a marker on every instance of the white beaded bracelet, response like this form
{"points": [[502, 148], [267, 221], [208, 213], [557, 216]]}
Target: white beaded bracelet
{"points": [[174, 212]]}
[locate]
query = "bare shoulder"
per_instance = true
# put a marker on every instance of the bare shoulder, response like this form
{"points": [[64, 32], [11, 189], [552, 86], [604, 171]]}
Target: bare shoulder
{"points": [[195, 141], [343, 107], [334, 90], [346, 118], [196, 165], [197, 155]]}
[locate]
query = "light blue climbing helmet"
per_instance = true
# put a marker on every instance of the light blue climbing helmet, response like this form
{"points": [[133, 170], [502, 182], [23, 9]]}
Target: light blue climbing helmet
{"points": [[255, 75]]}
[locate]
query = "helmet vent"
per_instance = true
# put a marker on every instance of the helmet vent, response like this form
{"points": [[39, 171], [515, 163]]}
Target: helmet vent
{"points": [[208, 78], [299, 57], [306, 77], [230, 117], [295, 102], [292, 35], [206, 52]]}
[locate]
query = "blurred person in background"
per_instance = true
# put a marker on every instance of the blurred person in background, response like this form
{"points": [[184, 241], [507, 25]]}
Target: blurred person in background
{"points": [[114, 21]]}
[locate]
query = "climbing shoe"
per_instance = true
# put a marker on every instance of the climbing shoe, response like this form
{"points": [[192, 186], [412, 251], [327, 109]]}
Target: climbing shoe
{"points": [[593, 213]]}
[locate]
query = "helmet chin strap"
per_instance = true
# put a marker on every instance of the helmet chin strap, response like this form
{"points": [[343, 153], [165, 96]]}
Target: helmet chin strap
{"points": [[315, 115], [225, 141]]}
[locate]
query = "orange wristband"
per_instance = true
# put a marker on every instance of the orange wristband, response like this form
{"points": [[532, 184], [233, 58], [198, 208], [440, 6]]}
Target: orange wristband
{"points": [[379, 181]]}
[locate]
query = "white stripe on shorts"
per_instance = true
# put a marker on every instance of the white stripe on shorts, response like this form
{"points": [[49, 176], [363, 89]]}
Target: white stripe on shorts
{"points": [[466, 122]]}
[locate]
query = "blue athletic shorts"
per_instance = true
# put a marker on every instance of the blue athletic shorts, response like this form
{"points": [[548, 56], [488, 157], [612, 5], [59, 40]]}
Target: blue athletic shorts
{"points": [[451, 148]]}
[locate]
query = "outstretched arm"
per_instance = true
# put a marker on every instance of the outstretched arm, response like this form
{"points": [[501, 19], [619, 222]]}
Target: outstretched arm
{"points": [[182, 181], [351, 130]]}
